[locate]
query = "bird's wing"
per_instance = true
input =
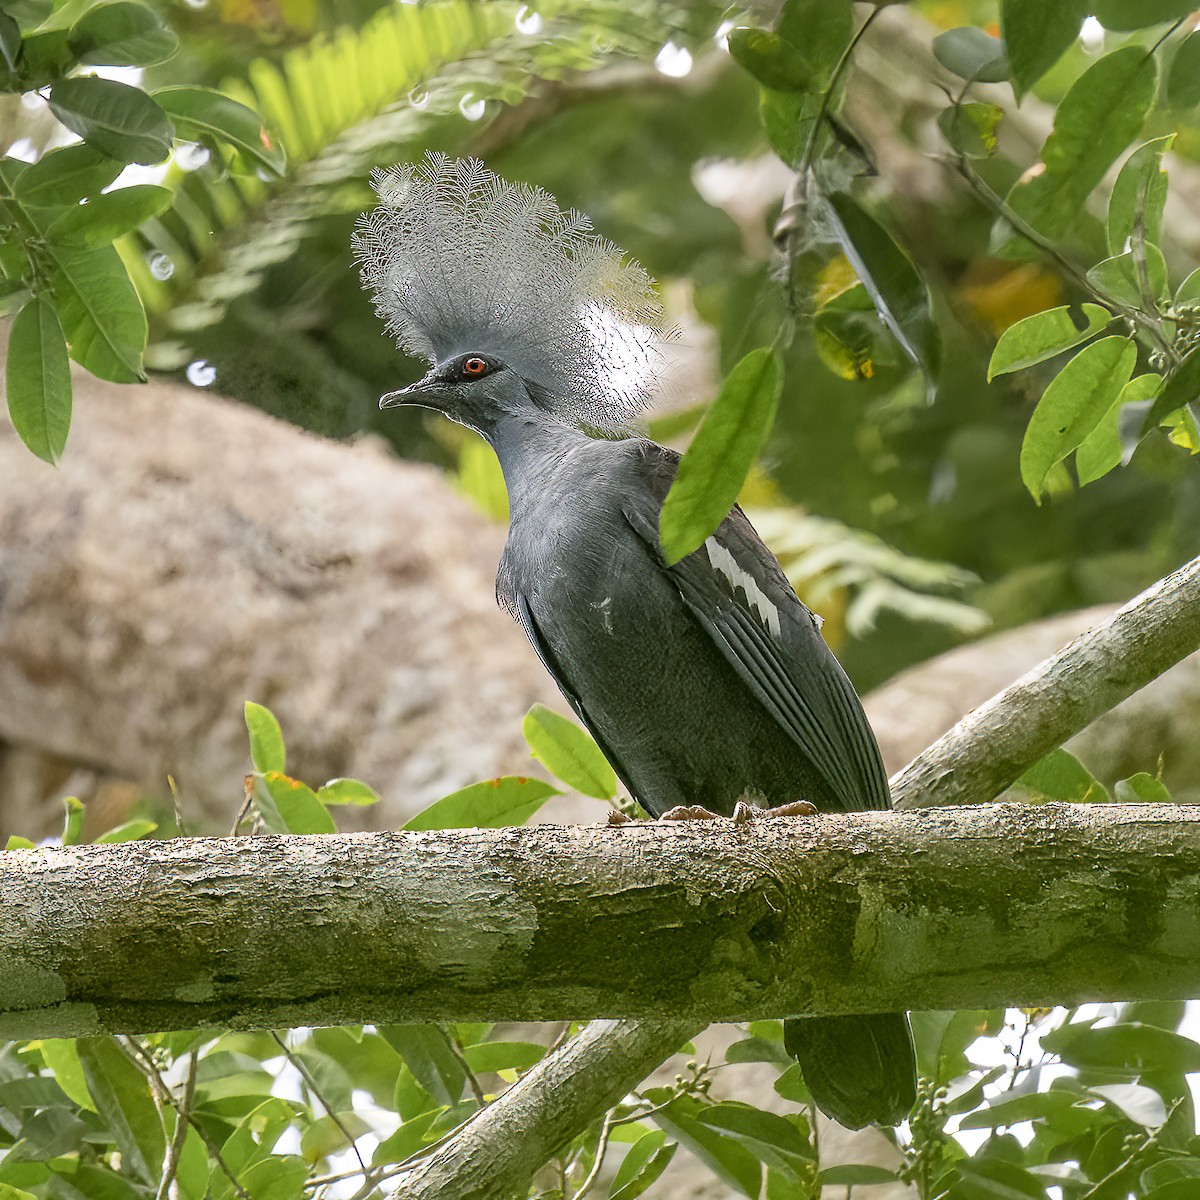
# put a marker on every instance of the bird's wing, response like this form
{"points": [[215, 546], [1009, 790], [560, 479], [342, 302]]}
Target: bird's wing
{"points": [[554, 670], [737, 591]]}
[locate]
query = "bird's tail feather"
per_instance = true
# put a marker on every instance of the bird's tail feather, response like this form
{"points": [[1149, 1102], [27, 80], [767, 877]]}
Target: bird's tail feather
{"points": [[860, 1070]]}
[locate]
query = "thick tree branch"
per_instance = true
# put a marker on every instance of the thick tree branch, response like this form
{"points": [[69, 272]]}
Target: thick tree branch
{"points": [[689, 921]]}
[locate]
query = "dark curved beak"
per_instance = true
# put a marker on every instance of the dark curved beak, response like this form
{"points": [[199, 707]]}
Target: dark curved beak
{"points": [[419, 393]]}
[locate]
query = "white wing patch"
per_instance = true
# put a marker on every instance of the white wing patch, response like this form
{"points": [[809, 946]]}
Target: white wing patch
{"points": [[724, 562]]}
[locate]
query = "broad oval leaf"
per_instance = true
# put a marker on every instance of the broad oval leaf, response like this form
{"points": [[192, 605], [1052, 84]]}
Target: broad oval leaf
{"points": [[130, 831], [971, 53], [509, 800], [1122, 16], [1112, 442], [296, 806], [717, 462], [849, 1175], [122, 34], [1142, 1105], [1183, 83], [1141, 788], [569, 753], [267, 750], [1140, 284], [503, 1056], [110, 215], [116, 119], [732, 1162], [1131, 1048], [1073, 404], [772, 60], [1062, 778], [772, 1139], [347, 791], [201, 113], [66, 176], [971, 128], [1139, 196], [645, 1162], [38, 380], [1036, 338], [1036, 34], [427, 1054], [824, 28], [1103, 111]]}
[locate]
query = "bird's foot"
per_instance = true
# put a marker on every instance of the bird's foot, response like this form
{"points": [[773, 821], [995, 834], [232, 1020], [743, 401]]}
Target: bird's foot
{"points": [[688, 812], [797, 808], [618, 818]]}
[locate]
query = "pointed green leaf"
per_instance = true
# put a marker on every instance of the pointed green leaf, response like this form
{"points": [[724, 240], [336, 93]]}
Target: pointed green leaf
{"points": [[202, 113], [1138, 196], [569, 752], [1036, 34], [823, 28], [408, 1139], [267, 751], [509, 800], [724, 449], [772, 60], [110, 215], [347, 791], [1073, 404], [122, 34], [297, 805], [1141, 284], [428, 1055], [1122, 16], [122, 1095], [1061, 777], [16, 842], [1183, 387], [645, 1162], [38, 380], [1183, 83], [66, 176], [130, 831], [1041, 336], [971, 53], [971, 128], [1102, 113], [10, 41], [503, 1056], [850, 1175], [1141, 788], [116, 119], [898, 292], [73, 811], [1104, 448], [62, 1057], [772, 1139], [730, 1161]]}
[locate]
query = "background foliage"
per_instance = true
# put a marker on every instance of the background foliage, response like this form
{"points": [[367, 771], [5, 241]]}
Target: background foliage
{"points": [[954, 239]]}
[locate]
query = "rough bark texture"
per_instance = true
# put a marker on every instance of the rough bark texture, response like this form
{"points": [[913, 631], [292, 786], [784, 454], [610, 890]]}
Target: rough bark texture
{"points": [[692, 921], [1059, 697]]}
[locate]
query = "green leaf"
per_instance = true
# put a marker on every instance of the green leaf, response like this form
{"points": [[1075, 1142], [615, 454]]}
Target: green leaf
{"points": [[1141, 788], [772, 60], [503, 1056], [1060, 776], [971, 128], [296, 804], [993, 1179], [100, 311], [1100, 115], [73, 811], [121, 1093], [122, 34], [1036, 338], [758, 1049], [568, 752], [1138, 197], [1141, 1105], [62, 1057], [8, 1192], [772, 1139], [130, 831], [347, 791], [823, 27], [201, 113], [1036, 35], [971, 53], [509, 800], [730, 1161], [855, 1175], [1121, 16], [17, 842], [66, 176], [1183, 387], [116, 119], [408, 1139], [942, 1039], [38, 380], [10, 41], [791, 1086], [267, 751], [645, 1162], [1183, 83], [1141, 285], [275, 1177], [1187, 295], [1073, 404], [1105, 448], [899, 294], [427, 1054], [1130, 1049], [110, 215], [724, 449]]}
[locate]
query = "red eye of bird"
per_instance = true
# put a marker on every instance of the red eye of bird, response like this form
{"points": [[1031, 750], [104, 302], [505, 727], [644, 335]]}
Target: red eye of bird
{"points": [[474, 366]]}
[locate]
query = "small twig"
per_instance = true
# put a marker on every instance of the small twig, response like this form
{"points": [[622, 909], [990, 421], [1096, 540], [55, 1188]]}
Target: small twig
{"points": [[1098, 1189], [461, 1059], [315, 1088], [601, 1148], [182, 1108], [246, 803]]}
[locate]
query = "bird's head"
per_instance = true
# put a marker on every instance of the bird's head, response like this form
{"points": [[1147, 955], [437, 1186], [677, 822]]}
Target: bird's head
{"points": [[474, 389]]}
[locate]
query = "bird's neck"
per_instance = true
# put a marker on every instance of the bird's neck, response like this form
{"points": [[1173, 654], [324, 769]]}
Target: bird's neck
{"points": [[533, 450]]}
